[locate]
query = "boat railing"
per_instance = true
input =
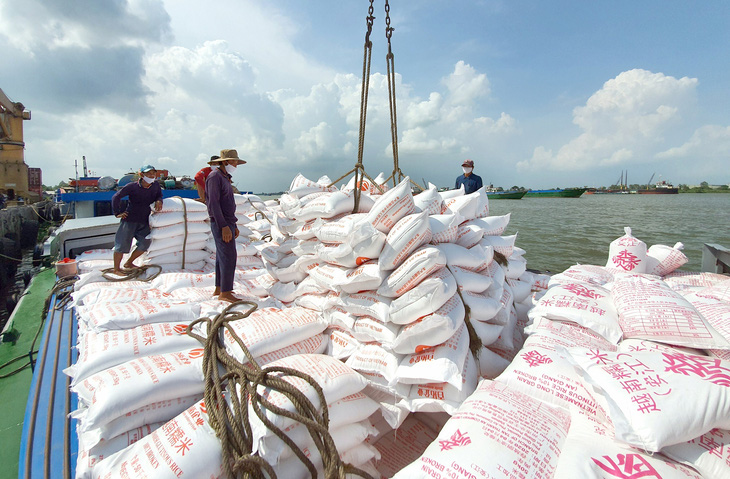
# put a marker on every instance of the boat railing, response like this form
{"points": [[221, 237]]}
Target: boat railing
{"points": [[715, 259]]}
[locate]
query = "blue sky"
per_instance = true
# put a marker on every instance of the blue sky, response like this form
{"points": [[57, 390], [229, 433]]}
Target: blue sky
{"points": [[538, 94]]}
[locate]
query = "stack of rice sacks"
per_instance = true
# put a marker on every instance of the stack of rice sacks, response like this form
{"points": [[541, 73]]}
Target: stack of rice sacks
{"points": [[179, 232], [381, 281], [624, 373]]}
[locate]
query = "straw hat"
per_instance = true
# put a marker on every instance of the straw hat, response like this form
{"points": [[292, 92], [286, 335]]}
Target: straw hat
{"points": [[227, 155]]}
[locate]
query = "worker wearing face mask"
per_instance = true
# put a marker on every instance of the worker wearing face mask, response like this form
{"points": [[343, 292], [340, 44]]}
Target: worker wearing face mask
{"points": [[470, 181], [135, 220], [222, 212]]}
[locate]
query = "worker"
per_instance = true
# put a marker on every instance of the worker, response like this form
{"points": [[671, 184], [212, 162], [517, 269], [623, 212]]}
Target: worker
{"points": [[470, 181], [222, 212], [200, 177], [135, 223]]}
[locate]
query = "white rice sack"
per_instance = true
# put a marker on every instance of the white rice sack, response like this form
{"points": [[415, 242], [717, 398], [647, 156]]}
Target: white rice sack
{"points": [[516, 266], [465, 206], [108, 316], [392, 206], [581, 303], [366, 303], [307, 229], [448, 194], [158, 219], [501, 244], [177, 241], [116, 391], [338, 316], [301, 186], [346, 416], [424, 261], [649, 309], [266, 330], [662, 260], [544, 373], [497, 432], [326, 206], [688, 281], [483, 204], [108, 295], [439, 364], [180, 258], [99, 351], [153, 255], [424, 299], [492, 225], [715, 311], [444, 397], [471, 281], [349, 229], [590, 452], [431, 330], [584, 273], [444, 227], [373, 359], [160, 411], [341, 343], [406, 236], [520, 288], [88, 458], [186, 446], [469, 235], [178, 204], [488, 333], [366, 186], [476, 258], [179, 229], [627, 253], [351, 255], [707, 453], [491, 364], [429, 201], [482, 306], [317, 344], [367, 329], [336, 379], [366, 277], [658, 398]]}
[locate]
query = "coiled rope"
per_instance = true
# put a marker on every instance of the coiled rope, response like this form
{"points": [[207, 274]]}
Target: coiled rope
{"points": [[137, 273], [229, 394]]}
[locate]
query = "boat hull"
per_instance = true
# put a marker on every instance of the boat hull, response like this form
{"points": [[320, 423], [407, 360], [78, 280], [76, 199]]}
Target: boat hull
{"points": [[660, 191], [557, 193], [506, 195]]}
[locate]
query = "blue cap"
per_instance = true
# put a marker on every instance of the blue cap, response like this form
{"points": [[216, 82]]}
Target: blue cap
{"points": [[147, 168]]}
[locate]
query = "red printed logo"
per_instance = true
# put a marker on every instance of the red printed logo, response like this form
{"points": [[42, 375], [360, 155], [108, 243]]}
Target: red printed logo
{"points": [[534, 358], [627, 466], [457, 439], [196, 353], [626, 260], [361, 260], [180, 329], [580, 290], [709, 369]]}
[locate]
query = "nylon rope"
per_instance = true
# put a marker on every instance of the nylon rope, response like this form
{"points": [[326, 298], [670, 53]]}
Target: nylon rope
{"points": [[231, 387]]}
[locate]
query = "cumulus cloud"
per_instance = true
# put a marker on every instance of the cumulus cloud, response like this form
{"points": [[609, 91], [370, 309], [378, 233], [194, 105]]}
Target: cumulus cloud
{"points": [[628, 120]]}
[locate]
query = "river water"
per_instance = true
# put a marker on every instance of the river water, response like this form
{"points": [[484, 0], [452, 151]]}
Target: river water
{"points": [[560, 232]]}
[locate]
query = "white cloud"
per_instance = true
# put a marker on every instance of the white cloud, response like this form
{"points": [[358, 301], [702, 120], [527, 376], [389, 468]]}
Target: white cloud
{"points": [[628, 120]]}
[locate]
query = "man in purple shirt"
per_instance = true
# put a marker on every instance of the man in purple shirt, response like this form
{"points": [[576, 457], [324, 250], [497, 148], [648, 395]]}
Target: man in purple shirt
{"points": [[135, 222], [222, 212]]}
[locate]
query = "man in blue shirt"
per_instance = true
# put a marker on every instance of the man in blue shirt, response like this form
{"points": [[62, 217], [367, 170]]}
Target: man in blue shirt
{"points": [[222, 213], [470, 181], [135, 222]]}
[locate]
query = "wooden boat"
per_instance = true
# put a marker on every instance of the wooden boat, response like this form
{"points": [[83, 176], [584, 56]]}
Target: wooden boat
{"points": [[506, 195]]}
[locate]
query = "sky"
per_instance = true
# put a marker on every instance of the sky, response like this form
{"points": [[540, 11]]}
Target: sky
{"points": [[538, 94]]}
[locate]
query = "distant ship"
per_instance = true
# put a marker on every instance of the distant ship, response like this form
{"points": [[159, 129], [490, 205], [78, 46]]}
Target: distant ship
{"points": [[493, 194], [556, 193], [660, 188]]}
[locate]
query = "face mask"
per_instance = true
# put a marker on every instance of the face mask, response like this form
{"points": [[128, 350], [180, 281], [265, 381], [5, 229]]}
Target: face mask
{"points": [[148, 180], [231, 169], [466, 170]]}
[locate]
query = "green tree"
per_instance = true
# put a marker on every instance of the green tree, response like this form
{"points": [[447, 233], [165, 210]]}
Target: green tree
{"points": [[704, 184]]}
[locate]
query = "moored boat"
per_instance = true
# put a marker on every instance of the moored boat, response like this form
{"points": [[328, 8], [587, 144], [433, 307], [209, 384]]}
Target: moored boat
{"points": [[506, 195], [556, 193], [660, 188]]}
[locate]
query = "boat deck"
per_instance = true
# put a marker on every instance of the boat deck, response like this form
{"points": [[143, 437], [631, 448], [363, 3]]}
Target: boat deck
{"points": [[42, 399]]}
